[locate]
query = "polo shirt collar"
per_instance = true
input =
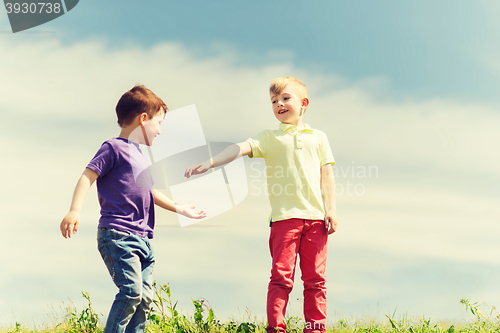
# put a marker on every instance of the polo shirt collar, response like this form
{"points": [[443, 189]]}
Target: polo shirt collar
{"points": [[285, 127]]}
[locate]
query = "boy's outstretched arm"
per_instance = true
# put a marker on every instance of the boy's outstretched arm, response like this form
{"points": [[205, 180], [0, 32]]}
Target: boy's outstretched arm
{"points": [[328, 188], [69, 224], [228, 155], [165, 202]]}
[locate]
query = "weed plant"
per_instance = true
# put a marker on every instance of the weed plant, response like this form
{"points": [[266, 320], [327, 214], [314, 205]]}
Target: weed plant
{"points": [[164, 318]]}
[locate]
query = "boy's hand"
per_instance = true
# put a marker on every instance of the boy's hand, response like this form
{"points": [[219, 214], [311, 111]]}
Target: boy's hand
{"points": [[188, 211], [69, 224], [330, 222], [198, 169]]}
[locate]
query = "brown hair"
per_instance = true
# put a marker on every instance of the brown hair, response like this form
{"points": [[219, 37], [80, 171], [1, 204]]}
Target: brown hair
{"points": [[279, 84], [138, 100]]}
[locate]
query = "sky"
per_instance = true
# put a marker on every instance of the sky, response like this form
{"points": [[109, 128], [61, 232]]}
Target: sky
{"points": [[405, 91]]}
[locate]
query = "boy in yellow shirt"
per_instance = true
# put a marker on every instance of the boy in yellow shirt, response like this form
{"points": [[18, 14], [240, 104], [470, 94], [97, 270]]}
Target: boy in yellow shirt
{"points": [[300, 183]]}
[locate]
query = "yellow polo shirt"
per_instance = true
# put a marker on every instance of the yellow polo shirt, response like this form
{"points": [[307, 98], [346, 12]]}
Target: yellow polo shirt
{"points": [[293, 166]]}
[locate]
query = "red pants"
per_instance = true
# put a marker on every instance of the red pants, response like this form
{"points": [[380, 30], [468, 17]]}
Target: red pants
{"points": [[308, 238]]}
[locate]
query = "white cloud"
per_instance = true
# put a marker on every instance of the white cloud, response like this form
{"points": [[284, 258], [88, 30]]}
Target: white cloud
{"points": [[441, 134], [47, 87]]}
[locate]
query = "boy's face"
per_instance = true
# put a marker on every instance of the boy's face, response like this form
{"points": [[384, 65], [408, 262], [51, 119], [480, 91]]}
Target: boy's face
{"points": [[288, 107], [151, 127]]}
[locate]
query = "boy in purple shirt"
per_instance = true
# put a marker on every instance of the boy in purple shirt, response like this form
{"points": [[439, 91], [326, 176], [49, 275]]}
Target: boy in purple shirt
{"points": [[126, 197]]}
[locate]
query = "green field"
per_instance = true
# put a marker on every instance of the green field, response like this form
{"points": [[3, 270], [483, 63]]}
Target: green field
{"points": [[165, 318]]}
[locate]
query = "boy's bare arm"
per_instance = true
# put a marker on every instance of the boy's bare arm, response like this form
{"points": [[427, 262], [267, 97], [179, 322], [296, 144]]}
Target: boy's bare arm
{"points": [[328, 188], [228, 155], [165, 202], [71, 221]]}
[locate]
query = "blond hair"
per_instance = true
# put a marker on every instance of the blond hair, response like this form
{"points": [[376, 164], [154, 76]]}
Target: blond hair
{"points": [[279, 84]]}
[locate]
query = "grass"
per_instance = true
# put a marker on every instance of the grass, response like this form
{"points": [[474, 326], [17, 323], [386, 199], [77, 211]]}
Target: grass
{"points": [[164, 318]]}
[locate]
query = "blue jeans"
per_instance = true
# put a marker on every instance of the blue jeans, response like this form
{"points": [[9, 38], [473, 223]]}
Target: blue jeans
{"points": [[130, 262]]}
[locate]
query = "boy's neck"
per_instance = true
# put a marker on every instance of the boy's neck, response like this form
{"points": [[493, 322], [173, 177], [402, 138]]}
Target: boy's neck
{"points": [[299, 124], [130, 133]]}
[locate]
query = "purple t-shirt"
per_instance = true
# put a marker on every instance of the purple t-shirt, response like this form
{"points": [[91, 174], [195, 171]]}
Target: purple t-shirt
{"points": [[124, 187]]}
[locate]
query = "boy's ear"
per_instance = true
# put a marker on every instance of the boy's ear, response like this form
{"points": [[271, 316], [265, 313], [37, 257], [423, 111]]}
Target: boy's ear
{"points": [[143, 117], [305, 104]]}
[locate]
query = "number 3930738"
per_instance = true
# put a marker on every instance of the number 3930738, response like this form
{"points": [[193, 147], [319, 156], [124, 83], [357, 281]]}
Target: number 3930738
{"points": [[32, 8]]}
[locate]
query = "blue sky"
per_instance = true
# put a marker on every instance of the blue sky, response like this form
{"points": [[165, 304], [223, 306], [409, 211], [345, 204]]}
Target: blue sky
{"points": [[409, 88], [423, 49]]}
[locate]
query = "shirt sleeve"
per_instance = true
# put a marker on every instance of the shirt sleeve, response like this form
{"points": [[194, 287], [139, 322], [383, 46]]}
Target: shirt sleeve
{"points": [[326, 156], [103, 160], [259, 145]]}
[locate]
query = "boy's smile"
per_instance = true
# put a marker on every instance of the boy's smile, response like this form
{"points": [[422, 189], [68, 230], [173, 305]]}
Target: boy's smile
{"points": [[288, 107], [144, 130], [151, 128]]}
